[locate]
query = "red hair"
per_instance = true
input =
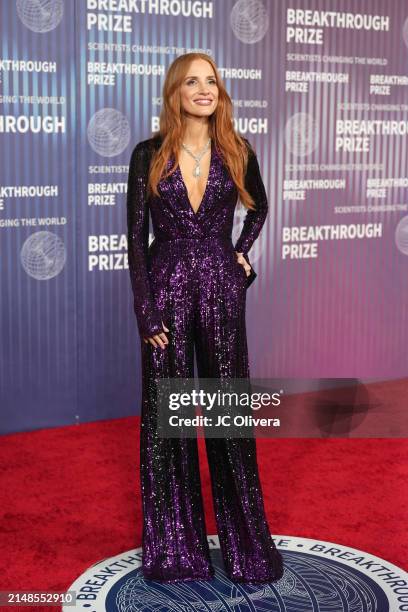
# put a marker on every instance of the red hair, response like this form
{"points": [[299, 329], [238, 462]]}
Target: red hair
{"points": [[231, 146]]}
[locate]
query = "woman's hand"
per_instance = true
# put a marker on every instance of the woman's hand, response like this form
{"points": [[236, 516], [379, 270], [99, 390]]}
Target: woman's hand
{"points": [[241, 260], [158, 339]]}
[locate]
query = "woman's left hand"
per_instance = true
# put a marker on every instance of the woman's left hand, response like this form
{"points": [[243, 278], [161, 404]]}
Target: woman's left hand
{"points": [[241, 260]]}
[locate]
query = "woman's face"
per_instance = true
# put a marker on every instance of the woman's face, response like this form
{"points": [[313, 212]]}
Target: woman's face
{"points": [[199, 90]]}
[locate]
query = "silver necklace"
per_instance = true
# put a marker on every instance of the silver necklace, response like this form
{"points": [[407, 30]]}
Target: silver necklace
{"points": [[197, 169]]}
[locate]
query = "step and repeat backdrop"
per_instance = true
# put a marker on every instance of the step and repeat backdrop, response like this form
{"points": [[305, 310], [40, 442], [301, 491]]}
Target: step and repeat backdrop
{"points": [[320, 88]]}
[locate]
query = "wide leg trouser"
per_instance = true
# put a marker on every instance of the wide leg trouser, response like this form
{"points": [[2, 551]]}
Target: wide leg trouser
{"points": [[204, 308]]}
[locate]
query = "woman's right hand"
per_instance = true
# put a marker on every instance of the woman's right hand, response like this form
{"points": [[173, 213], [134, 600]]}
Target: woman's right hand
{"points": [[243, 262], [158, 339]]}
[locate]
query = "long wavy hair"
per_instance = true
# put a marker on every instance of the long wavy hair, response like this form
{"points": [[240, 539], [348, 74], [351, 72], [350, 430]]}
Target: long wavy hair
{"points": [[230, 145]]}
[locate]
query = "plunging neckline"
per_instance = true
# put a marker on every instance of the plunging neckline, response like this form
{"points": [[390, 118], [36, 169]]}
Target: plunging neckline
{"points": [[195, 213]]}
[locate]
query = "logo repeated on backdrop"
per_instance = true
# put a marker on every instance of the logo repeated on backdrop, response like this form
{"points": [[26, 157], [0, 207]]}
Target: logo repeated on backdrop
{"points": [[40, 15], [321, 95], [43, 255], [108, 132], [301, 134], [249, 20], [405, 31], [401, 235]]}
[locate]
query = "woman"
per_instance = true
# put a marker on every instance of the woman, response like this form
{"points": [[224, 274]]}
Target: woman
{"points": [[189, 291]]}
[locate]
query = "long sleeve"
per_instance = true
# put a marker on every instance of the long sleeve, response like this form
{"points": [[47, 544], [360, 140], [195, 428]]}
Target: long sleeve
{"points": [[147, 315], [254, 219]]}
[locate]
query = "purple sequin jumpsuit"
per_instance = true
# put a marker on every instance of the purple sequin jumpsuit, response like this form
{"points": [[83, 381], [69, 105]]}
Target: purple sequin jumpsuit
{"points": [[190, 279]]}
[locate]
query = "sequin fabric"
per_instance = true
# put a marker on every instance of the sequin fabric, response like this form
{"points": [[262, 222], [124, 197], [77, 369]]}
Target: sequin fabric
{"points": [[189, 278]]}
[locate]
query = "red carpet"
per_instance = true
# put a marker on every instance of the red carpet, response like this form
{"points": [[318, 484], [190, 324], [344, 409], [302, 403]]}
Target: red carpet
{"points": [[71, 497]]}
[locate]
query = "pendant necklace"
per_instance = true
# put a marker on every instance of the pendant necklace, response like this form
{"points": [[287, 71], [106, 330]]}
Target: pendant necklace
{"points": [[197, 169]]}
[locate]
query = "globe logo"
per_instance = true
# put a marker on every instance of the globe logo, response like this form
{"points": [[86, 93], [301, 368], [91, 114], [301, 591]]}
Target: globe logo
{"points": [[40, 15], [108, 132], [325, 587], [301, 134], [401, 235], [43, 255], [405, 31], [249, 21], [313, 581]]}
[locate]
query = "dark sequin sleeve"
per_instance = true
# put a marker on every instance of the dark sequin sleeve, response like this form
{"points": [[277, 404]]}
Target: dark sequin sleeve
{"points": [[254, 219], [147, 315]]}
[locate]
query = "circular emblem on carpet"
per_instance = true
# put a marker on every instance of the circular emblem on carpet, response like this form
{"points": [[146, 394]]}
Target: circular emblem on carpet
{"points": [[319, 576]]}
